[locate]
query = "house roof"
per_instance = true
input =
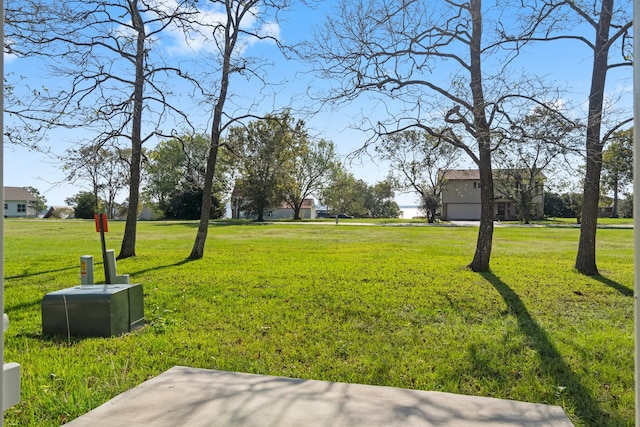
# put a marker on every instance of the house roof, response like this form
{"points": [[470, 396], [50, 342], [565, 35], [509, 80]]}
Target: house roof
{"points": [[18, 194], [469, 174], [460, 174]]}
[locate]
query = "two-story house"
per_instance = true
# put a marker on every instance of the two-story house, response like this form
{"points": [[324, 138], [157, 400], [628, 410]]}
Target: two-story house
{"points": [[460, 197]]}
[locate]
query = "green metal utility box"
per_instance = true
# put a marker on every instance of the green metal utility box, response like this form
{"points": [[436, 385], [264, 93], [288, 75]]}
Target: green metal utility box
{"points": [[93, 310]]}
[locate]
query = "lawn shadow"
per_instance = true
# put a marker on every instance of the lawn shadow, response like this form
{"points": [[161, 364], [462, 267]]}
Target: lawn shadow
{"points": [[576, 395], [56, 339], [38, 273], [623, 290], [59, 340], [21, 306], [162, 267], [219, 223]]}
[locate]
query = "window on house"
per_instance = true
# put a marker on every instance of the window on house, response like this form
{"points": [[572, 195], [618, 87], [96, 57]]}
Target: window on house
{"points": [[6, 206], [22, 207], [476, 184]]}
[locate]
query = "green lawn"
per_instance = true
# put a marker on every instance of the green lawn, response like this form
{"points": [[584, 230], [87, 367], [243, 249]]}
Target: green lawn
{"points": [[366, 304], [572, 221]]}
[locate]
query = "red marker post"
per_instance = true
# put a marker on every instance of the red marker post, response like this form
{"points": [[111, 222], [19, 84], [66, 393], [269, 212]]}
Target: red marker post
{"points": [[102, 227]]}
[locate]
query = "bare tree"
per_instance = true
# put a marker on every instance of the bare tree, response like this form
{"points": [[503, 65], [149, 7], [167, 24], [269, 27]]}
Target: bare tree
{"points": [[532, 146], [418, 163], [85, 165], [242, 21], [105, 170], [108, 78], [610, 22], [426, 64], [607, 32]]}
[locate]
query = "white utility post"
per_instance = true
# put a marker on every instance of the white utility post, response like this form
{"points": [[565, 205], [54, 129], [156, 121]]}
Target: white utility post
{"points": [[86, 270], [10, 375]]}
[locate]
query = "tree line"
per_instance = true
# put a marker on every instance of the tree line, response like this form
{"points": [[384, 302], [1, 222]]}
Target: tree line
{"points": [[268, 163], [274, 162]]}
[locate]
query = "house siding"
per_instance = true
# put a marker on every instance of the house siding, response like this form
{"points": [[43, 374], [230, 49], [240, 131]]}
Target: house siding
{"points": [[461, 192], [461, 200], [18, 203], [18, 209]]}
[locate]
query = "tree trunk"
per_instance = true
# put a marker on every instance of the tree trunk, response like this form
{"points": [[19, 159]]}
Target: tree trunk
{"points": [[527, 204], [614, 214], [197, 251], [128, 248], [482, 255], [586, 257]]}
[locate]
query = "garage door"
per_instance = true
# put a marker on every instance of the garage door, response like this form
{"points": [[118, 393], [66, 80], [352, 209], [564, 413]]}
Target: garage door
{"points": [[465, 211]]}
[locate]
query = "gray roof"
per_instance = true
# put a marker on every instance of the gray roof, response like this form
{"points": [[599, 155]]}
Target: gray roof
{"points": [[18, 194], [471, 174], [460, 174]]}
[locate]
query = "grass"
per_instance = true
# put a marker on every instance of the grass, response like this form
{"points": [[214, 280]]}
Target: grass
{"points": [[375, 305], [572, 221]]}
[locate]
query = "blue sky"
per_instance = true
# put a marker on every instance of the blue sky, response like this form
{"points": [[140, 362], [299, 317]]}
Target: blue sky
{"points": [[566, 63]]}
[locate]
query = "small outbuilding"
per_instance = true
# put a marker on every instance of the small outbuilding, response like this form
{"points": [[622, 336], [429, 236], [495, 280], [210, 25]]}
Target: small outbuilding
{"points": [[61, 212]]}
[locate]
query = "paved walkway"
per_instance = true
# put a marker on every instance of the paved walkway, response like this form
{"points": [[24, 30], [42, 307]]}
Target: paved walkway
{"points": [[199, 397]]}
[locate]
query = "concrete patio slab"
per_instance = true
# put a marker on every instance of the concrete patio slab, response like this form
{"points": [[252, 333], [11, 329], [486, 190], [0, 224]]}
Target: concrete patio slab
{"points": [[185, 396]]}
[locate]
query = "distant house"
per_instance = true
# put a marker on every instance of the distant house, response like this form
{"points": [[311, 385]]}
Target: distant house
{"points": [[284, 211], [307, 211], [19, 203], [605, 211], [460, 198]]}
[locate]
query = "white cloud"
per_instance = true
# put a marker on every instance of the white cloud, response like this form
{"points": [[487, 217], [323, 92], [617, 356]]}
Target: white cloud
{"points": [[200, 38], [9, 57], [271, 29]]}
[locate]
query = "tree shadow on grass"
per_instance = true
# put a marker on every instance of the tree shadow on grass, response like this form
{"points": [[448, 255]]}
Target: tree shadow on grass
{"points": [[59, 340], [577, 396], [212, 224], [38, 273], [623, 290], [162, 267], [21, 306]]}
